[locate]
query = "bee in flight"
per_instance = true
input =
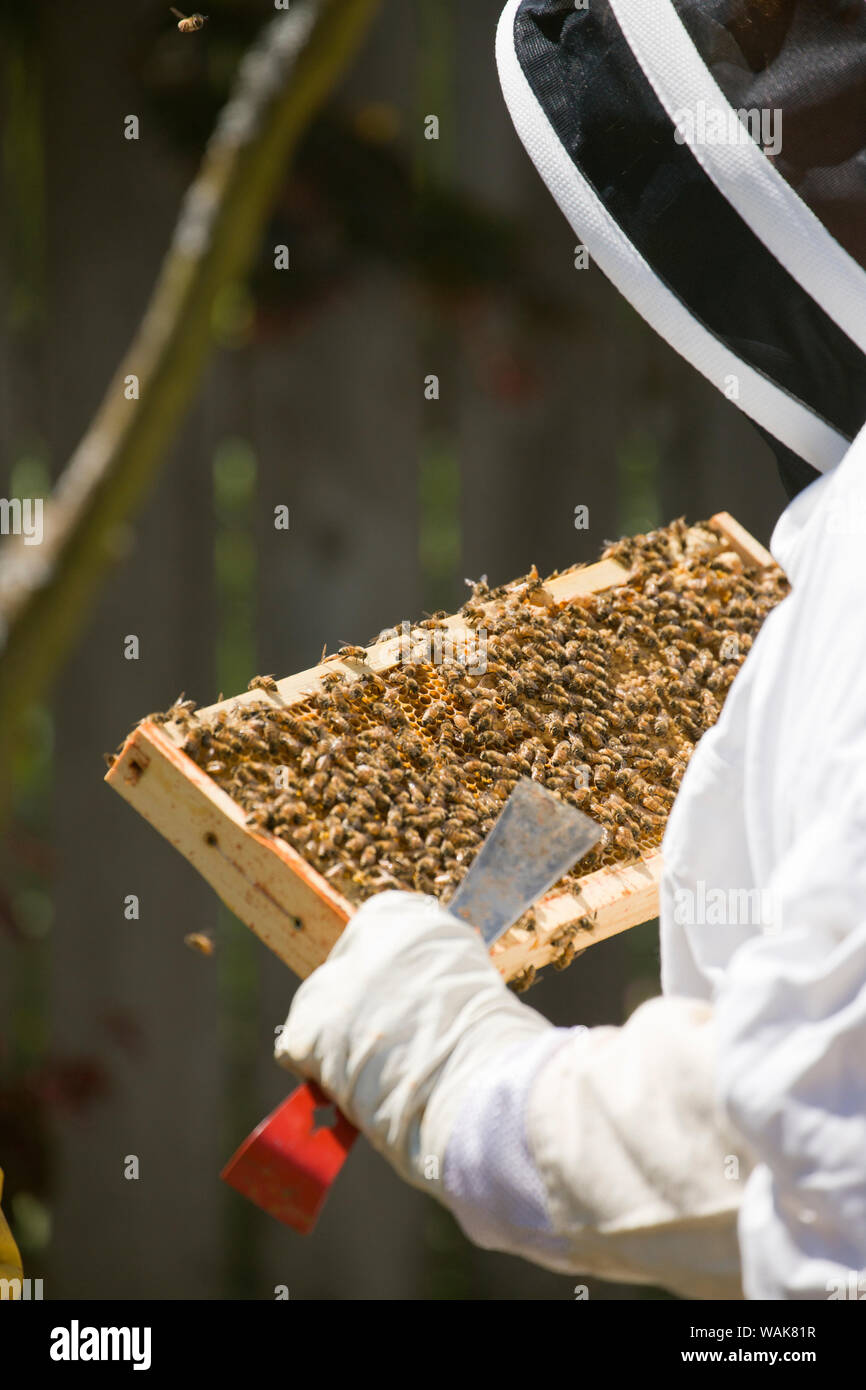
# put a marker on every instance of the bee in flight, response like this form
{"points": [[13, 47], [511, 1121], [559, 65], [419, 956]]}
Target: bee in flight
{"points": [[199, 941], [188, 24]]}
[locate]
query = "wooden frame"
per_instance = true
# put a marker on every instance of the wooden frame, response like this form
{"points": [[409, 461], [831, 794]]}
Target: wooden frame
{"points": [[287, 903]]}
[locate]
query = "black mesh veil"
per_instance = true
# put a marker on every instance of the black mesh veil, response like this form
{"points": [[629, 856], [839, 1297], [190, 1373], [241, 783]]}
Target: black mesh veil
{"points": [[806, 58], [712, 155]]}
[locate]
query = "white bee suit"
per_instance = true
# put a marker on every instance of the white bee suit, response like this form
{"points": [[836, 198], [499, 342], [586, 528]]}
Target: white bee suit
{"points": [[717, 1141], [775, 801]]}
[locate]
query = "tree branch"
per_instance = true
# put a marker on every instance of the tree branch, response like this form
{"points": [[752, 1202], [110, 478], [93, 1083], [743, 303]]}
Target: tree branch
{"points": [[46, 591]]}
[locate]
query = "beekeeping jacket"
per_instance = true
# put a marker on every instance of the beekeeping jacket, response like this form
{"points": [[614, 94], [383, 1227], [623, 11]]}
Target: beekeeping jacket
{"points": [[716, 1143]]}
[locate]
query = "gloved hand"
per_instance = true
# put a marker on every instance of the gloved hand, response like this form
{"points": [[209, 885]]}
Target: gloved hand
{"points": [[397, 1023]]}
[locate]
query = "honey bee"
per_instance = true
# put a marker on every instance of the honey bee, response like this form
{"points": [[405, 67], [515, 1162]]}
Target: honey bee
{"points": [[330, 679], [425, 869], [366, 801], [635, 703], [554, 726], [189, 24], [625, 840], [661, 725], [241, 741], [522, 982], [629, 782], [391, 718], [307, 761], [436, 712], [267, 683], [356, 844], [495, 758], [587, 667], [199, 941], [245, 777], [474, 768], [593, 737], [298, 728], [660, 802], [480, 710], [718, 681], [525, 684]]}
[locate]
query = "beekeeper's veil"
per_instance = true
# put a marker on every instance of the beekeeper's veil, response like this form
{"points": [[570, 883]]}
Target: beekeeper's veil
{"points": [[711, 156]]}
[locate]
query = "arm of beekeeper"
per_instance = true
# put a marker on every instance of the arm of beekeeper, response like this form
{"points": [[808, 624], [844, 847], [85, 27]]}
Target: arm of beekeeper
{"points": [[791, 1010], [791, 1023], [598, 1151]]}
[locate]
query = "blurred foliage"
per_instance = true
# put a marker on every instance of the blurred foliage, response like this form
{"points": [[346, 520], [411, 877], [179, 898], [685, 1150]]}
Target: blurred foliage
{"points": [[285, 79], [638, 467], [279, 87], [448, 1263], [29, 1100], [23, 179], [353, 195], [439, 527], [235, 481]]}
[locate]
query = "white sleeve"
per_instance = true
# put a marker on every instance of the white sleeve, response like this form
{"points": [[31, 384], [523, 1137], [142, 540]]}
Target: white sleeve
{"points": [[792, 1063], [791, 1009], [603, 1151], [587, 1150]]}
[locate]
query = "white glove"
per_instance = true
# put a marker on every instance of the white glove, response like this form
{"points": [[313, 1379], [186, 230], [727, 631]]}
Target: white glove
{"points": [[397, 1022], [598, 1150]]}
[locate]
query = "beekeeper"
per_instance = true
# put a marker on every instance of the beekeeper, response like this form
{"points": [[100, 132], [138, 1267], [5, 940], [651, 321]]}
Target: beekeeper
{"points": [[716, 1143]]}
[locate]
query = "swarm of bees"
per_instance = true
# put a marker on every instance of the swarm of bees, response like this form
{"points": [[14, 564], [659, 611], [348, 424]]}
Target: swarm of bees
{"points": [[392, 779]]}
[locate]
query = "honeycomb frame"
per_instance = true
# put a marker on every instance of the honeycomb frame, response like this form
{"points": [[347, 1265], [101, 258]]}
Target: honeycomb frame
{"points": [[283, 898]]}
